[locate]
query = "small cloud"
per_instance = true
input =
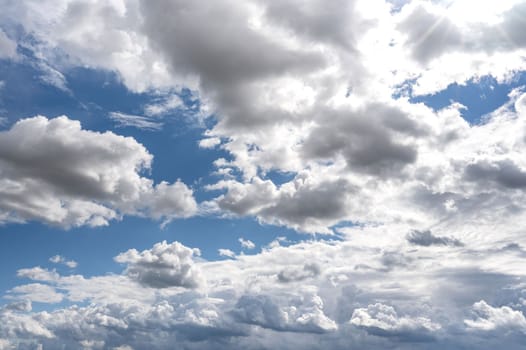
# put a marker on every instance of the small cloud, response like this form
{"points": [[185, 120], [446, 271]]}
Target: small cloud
{"points": [[227, 253], [140, 122], [426, 239], [165, 265], [58, 259], [246, 244], [209, 142], [163, 106], [52, 77]]}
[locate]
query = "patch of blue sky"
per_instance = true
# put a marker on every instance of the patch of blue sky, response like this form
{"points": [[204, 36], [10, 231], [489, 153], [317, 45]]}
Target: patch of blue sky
{"points": [[279, 177], [480, 96], [94, 248]]}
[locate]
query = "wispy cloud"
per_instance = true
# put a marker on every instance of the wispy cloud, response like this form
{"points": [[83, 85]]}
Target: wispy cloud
{"points": [[136, 121]]}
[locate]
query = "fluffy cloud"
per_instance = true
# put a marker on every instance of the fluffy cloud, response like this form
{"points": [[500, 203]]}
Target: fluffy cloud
{"points": [[285, 314], [56, 172], [165, 265], [383, 320], [246, 243], [489, 318]]}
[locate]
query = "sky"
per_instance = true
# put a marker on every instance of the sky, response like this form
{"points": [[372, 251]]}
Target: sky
{"points": [[293, 174]]}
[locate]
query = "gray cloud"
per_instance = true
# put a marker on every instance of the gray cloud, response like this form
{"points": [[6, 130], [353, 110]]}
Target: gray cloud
{"points": [[368, 139], [426, 239], [294, 275], [317, 20], [505, 173], [429, 34], [310, 205]]}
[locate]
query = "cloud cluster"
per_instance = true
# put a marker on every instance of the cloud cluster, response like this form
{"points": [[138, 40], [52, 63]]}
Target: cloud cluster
{"points": [[315, 78], [54, 171], [383, 320], [313, 104], [239, 302]]}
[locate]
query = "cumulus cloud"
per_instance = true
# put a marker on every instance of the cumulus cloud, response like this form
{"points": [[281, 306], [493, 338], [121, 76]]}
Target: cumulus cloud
{"points": [[165, 265], [56, 172], [323, 89], [383, 320], [489, 318], [242, 304], [284, 315]]}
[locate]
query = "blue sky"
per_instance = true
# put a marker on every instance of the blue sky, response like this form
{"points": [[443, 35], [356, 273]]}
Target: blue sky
{"points": [[254, 175]]}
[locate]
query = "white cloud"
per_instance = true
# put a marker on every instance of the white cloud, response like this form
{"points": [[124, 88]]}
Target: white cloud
{"points": [[284, 314], [226, 252], [165, 265], [38, 274], [380, 319], [36, 292], [489, 318], [246, 243], [240, 301], [136, 121], [56, 172], [5, 344], [164, 105], [58, 259]]}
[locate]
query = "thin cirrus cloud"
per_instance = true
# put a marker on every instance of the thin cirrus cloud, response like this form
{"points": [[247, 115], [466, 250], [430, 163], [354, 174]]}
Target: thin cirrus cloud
{"points": [[312, 107]]}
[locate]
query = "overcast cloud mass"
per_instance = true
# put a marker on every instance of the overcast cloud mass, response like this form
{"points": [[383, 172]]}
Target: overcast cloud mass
{"points": [[323, 120]]}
